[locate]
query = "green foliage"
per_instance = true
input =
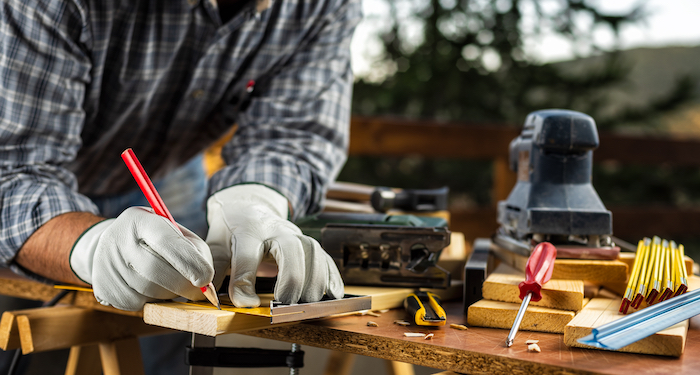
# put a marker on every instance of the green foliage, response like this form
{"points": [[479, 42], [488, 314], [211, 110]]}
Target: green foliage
{"points": [[470, 63]]}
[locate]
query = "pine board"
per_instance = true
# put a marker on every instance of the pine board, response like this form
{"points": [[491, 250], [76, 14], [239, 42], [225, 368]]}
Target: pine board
{"points": [[599, 311], [207, 320], [495, 314], [502, 285]]}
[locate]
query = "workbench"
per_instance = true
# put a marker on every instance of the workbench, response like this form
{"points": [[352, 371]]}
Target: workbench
{"points": [[476, 350]]}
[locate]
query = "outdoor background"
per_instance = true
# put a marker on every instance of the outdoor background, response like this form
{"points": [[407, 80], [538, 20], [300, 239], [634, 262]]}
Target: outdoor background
{"points": [[631, 65]]}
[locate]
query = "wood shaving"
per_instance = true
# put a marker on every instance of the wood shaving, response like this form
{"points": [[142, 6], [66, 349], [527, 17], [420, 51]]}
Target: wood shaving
{"points": [[402, 322], [532, 342], [429, 336], [383, 311], [534, 348], [413, 334], [458, 326], [367, 312], [372, 324]]}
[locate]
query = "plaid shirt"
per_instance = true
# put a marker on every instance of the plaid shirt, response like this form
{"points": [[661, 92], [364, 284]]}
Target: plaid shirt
{"points": [[82, 80]]}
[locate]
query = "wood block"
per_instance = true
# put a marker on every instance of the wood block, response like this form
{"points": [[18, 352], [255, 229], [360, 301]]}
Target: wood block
{"points": [[206, 320], [9, 334], [628, 258], [495, 314], [61, 327], [201, 319], [597, 271], [502, 285], [590, 270], [599, 311]]}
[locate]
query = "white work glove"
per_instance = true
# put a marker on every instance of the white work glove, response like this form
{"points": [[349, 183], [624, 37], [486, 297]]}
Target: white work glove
{"points": [[140, 257], [248, 223]]}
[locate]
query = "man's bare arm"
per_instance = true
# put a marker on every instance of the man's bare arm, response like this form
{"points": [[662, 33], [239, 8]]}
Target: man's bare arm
{"points": [[47, 251]]}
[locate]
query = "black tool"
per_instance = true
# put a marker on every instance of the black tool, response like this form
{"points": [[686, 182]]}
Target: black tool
{"points": [[384, 199], [383, 250], [475, 272], [425, 309], [553, 199]]}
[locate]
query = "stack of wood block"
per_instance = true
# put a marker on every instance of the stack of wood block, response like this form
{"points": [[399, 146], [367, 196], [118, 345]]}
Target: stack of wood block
{"points": [[582, 295]]}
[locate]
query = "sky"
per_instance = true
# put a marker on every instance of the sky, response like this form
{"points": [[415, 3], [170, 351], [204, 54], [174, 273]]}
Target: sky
{"points": [[668, 23]]}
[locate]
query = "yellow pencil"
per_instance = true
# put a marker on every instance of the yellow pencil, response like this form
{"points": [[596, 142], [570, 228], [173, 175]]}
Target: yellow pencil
{"points": [[642, 247], [683, 272], [666, 279], [675, 269], [643, 275], [654, 284]]}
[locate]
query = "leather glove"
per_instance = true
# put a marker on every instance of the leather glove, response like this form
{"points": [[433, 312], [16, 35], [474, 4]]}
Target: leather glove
{"points": [[248, 223], [140, 257]]}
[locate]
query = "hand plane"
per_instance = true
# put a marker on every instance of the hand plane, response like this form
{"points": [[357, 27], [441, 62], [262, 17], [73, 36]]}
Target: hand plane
{"points": [[383, 250], [554, 199]]}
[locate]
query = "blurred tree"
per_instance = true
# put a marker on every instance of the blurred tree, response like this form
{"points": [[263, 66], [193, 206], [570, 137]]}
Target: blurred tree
{"points": [[465, 60]]}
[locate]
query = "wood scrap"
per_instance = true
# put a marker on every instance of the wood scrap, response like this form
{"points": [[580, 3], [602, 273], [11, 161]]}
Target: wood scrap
{"points": [[599, 311], [502, 285], [496, 314], [61, 327]]}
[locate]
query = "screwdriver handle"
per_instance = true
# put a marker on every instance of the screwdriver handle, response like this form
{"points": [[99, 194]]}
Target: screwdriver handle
{"points": [[538, 270]]}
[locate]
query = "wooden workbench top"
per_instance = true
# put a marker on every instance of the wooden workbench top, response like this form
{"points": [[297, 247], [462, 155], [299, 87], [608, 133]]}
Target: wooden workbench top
{"points": [[476, 350]]}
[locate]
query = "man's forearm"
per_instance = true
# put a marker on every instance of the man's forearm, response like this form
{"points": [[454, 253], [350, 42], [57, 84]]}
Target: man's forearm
{"points": [[47, 251]]}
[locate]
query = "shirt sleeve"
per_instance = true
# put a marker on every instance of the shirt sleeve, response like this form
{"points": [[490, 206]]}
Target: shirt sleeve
{"points": [[43, 74], [293, 136]]}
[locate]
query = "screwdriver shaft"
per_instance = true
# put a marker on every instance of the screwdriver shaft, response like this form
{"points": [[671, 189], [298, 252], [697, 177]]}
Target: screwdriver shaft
{"points": [[518, 320]]}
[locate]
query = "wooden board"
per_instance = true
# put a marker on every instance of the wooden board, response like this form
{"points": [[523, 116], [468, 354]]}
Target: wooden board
{"points": [[599, 311], [494, 314], [9, 335], [628, 258], [60, 327], [597, 271], [502, 285], [207, 320]]}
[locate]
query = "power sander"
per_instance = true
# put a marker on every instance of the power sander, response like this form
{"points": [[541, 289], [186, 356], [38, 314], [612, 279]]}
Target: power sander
{"points": [[553, 199]]}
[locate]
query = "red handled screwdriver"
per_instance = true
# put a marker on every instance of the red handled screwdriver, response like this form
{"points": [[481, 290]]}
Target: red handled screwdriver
{"points": [[537, 272]]}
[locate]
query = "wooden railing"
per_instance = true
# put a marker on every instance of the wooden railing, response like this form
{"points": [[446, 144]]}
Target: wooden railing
{"points": [[384, 137]]}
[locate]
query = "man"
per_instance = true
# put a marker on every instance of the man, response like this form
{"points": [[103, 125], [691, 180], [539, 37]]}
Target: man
{"points": [[83, 80]]}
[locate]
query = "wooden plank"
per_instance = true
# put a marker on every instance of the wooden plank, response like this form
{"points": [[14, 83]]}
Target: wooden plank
{"points": [[599, 311], [400, 137], [121, 357], [502, 285], [200, 319], [391, 136], [205, 320], [628, 258], [595, 271], [9, 334], [495, 314], [15, 285], [61, 327], [84, 360]]}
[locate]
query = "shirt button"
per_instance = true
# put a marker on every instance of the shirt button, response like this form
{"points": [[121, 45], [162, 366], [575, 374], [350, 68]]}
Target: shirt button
{"points": [[196, 94], [192, 2]]}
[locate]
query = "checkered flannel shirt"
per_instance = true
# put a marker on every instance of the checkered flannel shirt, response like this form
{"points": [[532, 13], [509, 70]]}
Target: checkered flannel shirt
{"points": [[82, 80]]}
